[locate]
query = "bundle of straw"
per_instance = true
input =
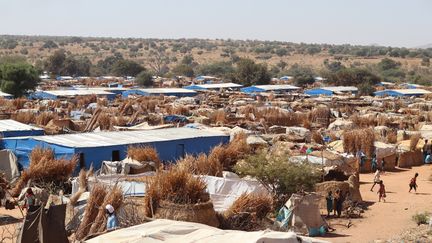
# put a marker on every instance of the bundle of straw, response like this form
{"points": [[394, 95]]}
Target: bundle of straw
{"points": [[95, 201], [144, 154], [359, 140], [44, 168], [201, 165], [414, 141], [113, 197], [176, 186], [258, 204]]}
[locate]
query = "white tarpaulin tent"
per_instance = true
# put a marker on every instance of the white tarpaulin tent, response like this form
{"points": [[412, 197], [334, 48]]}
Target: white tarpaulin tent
{"points": [[163, 230], [224, 191], [8, 164]]}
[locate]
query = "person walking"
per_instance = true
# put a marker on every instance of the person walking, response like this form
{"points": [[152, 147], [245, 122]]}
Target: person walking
{"points": [[376, 179], [413, 183], [329, 200], [381, 192]]}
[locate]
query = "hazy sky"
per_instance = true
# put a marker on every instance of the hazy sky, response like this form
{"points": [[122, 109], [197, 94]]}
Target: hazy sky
{"points": [[385, 22]]}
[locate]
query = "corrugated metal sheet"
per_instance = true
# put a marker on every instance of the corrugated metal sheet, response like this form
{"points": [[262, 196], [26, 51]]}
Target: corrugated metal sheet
{"points": [[167, 91], [402, 92], [77, 92], [12, 125], [102, 139], [277, 87], [341, 88], [217, 86]]}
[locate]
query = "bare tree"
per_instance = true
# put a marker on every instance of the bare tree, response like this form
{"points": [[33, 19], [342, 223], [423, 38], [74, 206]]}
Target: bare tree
{"points": [[158, 61]]}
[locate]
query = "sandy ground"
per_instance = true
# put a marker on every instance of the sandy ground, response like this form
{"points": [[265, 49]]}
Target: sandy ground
{"points": [[9, 223], [382, 221]]}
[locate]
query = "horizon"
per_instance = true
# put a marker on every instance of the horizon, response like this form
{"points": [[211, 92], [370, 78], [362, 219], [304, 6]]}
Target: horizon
{"points": [[334, 22]]}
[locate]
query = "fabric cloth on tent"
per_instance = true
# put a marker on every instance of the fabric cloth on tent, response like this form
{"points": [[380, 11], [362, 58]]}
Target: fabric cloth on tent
{"points": [[301, 213], [224, 191], [44, 226], [8, 164], [163, 230]]}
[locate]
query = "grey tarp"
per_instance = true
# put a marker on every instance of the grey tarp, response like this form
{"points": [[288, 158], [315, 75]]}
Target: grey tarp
{"points": [[8, 164], [44, 226]]}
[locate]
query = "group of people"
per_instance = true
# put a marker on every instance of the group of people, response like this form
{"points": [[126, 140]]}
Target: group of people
{"points": [[335, 202]]}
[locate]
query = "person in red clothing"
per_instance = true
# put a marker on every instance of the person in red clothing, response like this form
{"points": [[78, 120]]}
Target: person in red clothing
{"points": [[413, 183], [381, 191]]}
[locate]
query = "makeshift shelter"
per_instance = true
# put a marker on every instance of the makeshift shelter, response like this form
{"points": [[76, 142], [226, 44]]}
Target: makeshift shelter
{"points": [[178, 92], [301, 213], [215, 86], [45, 226], [12, 128], [8, 164], [277, 88], [163, 230], [402, 92], [70, 93], [93, 148], [407, 157], [333, 90]]}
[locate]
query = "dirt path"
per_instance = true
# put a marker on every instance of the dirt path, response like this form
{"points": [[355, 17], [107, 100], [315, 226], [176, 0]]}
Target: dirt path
{"points": [[384, 220]]}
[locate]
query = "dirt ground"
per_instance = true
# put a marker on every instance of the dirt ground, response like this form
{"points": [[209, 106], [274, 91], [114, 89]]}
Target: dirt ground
{"points": [[9, 223], [383, 221]]}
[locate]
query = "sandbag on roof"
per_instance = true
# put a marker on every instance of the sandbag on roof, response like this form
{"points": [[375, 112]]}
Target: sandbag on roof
{"points": [[163, 230]]}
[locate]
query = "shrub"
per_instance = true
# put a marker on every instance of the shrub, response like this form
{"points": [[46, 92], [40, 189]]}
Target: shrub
{"points": [[281, 176], [421, 218]]}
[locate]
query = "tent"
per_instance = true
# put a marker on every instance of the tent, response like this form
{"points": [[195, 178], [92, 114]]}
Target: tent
{"points": [[163, 230], [44, 226], [8, 164], [301, 213]]}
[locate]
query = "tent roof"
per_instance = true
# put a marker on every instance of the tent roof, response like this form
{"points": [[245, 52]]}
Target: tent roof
{"points": [[12, 125], [167, 91], [77, 92], [104, 139], [215, 86]]}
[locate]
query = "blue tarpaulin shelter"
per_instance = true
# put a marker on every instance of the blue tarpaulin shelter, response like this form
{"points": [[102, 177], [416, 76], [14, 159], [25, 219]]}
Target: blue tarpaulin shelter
{"points": [[93, 148], [12, 128]]}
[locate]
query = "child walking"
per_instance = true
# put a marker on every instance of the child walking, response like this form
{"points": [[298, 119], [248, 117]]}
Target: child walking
{"points": [[413, 183], [381, 191]]}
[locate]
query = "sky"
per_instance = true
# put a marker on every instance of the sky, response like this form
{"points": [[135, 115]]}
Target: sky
{"points": [[406, 23]]}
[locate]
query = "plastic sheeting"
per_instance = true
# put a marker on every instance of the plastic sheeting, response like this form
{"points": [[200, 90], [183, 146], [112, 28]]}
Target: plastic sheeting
{"points": [[224, 191], [8, 164], [163, 230]]}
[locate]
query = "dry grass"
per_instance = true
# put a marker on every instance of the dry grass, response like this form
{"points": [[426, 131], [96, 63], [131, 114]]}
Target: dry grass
{"points": [[317, 137], [43, 118], [95, 201], [362, 121], [321, 115], [201, 165], [45, 169], [144, 154], [104, 121], [392, 137], [414, 141], [257, 204], [113, 197], [277, 116], [24, 117], [359, 140], [229, 154], [218, 117], [82, 180], [175, 186]]}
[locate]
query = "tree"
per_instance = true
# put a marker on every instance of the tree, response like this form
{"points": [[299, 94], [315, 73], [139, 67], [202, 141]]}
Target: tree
{"points": [[54, 63], [18, 78], [105, 65], [49, 44], [387, 64], [302, 76], [75, 66], [278, 173], [248, 72], [353, 76], [144, 79], [158, 62], [218, 69], [183, 70], [126, 68]]}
